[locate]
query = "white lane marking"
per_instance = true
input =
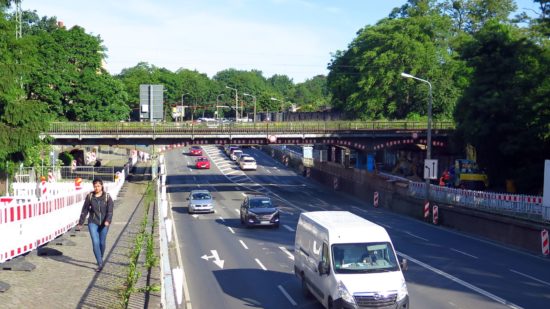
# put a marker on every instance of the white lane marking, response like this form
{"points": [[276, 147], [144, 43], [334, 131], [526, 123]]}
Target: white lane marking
{"points": [[222, 219], [232, 172], [195, 216], [244, 194], [238, 210], [288, 228], [466, 254], [285, 250], [287, 296], [530, 277], [275, 168], [359, 209], [230, 229], [268, 171], [424, 239], [260, 263], [244, 245], [461, 282]]}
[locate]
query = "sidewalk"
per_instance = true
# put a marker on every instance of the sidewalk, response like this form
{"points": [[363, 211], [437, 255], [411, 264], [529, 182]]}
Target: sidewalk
{"points": [[70, 281]]}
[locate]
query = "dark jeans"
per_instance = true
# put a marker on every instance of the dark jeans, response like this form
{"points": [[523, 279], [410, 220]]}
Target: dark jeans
{"points": [[99, 236]]}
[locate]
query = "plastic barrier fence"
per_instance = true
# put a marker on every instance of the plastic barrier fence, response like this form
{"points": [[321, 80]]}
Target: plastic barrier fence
{"points": [[522, 205], [27, 223]]}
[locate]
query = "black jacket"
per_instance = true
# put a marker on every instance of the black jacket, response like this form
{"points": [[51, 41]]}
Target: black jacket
{"points": [[100, 209]]}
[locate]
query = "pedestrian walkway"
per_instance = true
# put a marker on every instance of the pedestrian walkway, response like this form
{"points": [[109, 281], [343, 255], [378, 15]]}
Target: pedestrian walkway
{"points": [[70, 281]]}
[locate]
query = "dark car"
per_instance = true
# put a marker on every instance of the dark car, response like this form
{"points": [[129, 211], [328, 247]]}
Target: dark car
{"points": [[259, 210]]}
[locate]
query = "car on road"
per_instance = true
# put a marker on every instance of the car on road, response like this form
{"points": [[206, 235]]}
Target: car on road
{"points": [[235, 154], [202, 163], [259, 210], [195, 151], [200, 201], [248, 163]]}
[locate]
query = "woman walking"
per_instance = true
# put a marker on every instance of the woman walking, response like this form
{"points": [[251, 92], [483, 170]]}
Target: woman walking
{"points": [[99, 206]]}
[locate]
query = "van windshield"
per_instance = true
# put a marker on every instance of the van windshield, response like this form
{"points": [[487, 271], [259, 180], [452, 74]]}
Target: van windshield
{"points": [[363, 258]]}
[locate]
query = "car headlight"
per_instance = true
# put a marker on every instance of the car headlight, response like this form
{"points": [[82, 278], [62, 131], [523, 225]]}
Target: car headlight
{"points": [[402, 292], [344, 294]]}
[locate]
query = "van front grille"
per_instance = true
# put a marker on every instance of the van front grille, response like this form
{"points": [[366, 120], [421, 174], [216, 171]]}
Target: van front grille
{"points": [[375, 300]]}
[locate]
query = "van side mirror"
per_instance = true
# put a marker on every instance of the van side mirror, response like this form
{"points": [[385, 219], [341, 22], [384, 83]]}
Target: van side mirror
{"points": [[323, 268], [404, 264]]}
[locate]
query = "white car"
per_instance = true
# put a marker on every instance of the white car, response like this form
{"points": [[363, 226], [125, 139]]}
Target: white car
{"points": [[248, 163]]}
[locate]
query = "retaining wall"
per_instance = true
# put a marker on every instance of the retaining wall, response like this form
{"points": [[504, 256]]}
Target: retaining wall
{"points": [[393, 195]]}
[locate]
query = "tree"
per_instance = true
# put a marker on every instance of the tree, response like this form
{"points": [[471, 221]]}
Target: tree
{"points": [[365, 80], [505, 112]]}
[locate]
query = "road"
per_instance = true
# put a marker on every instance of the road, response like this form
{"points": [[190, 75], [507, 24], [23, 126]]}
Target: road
{"points": [[229, 266]]}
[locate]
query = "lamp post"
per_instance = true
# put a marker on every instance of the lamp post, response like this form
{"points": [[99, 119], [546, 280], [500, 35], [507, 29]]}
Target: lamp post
{"points": [[429, 133], [254, 98], [236, 104]]}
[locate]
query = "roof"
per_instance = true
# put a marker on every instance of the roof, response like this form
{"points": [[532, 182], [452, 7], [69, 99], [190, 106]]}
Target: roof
{"points": [[345, 226]]}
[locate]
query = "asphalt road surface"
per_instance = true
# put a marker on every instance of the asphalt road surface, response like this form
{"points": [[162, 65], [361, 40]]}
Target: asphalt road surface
{"points": [[230, 266]]}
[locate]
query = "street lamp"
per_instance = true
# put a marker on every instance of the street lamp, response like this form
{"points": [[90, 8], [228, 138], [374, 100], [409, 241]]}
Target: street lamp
{"points": [[236, 104], [429, 134], [254, 98]]}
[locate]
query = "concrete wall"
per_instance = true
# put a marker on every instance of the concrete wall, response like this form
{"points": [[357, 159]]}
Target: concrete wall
{"points": [[522, 234]]}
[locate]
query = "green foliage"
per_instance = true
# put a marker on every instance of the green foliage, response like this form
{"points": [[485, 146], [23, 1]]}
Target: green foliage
{"points": [[66, 158], [505, 113]]}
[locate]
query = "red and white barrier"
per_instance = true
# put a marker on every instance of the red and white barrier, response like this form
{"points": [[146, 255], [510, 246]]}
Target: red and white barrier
{"points": [[435, 214], [375, 202], [544, 242], [426, 209], [26, 223]]}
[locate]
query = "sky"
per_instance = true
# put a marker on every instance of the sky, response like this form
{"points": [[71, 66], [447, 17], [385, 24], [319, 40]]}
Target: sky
{"points": [[291, 37]]}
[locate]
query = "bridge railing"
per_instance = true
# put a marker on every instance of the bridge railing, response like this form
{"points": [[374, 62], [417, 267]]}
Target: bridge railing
{"points": [[118, 128]]}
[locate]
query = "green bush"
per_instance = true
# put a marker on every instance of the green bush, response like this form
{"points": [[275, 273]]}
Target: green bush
{"points": [[66, 158]]}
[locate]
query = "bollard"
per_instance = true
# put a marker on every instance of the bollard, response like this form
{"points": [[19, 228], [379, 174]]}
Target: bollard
{"points": [[426, 209], [544, 242], [375, 202], [435, 215]]}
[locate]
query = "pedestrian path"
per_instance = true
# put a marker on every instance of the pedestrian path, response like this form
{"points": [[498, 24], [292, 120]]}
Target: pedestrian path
{"points": [[69, 280]]}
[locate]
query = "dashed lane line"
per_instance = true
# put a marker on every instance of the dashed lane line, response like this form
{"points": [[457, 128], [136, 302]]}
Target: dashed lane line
{"points": [[287, 295], [260, 263]]}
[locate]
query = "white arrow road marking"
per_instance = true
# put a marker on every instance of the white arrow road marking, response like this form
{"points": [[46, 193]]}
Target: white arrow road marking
{"points": [[244, 245], [222, 219], [260, 263], [238, 211], [195, 216], [287, 296], [285, 250], [288, 228], [214, 256]]}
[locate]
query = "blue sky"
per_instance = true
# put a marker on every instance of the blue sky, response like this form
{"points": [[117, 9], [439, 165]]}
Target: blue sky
{"points": [[291, 37]]}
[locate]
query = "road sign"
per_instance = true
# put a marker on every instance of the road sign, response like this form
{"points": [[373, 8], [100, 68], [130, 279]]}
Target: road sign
{"points": [[430, 169]]}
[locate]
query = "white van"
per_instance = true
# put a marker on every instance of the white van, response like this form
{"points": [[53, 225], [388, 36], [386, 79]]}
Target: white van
{"points": [[346, 261]]}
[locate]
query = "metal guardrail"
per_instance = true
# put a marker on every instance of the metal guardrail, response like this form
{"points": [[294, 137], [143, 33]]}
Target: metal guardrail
{"points": [[120, 128]]}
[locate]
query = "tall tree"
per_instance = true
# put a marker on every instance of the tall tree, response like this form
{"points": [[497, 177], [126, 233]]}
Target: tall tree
{"points": [[505, 113]]}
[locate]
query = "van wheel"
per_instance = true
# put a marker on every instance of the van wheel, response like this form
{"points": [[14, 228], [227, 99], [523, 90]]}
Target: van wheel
{"points": [[305, 290]]}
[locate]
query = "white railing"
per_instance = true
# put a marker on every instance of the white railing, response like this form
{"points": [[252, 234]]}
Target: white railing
{"points": [[27, 222]]}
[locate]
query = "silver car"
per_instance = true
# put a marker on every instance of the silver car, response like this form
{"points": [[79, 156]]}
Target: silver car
{"points": [[200, 201]]}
